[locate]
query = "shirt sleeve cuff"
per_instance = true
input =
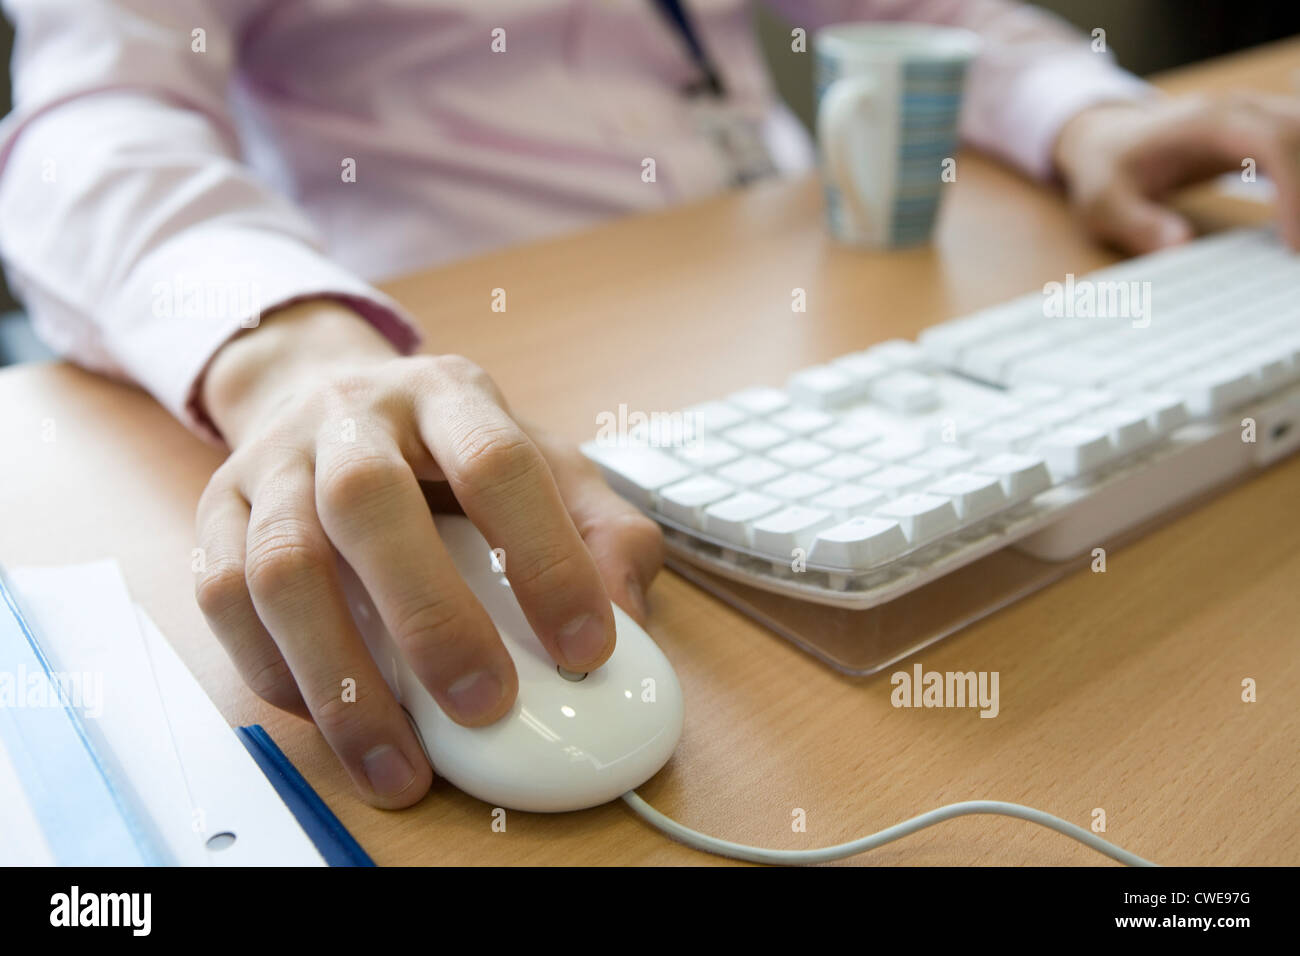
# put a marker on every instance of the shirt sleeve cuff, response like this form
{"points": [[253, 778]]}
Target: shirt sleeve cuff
{"points": [[1029, 114], [196, 307]]}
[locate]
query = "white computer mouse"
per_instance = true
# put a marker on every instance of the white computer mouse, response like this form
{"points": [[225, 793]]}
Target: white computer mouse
{"points": [[565, 744]]}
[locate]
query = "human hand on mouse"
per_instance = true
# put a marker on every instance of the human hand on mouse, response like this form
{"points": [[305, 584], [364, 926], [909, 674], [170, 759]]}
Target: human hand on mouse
{"points": [[331, 433], [1120, 160]]}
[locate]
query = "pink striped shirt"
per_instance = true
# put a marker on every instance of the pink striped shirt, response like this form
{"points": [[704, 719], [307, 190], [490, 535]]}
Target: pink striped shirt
{"points": [[173, 168]]}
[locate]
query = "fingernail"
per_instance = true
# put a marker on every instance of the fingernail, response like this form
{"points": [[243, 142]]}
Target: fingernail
{"points": [[388, 770], [583, 639], [475, 695], [636, 597], [1172, 232]]}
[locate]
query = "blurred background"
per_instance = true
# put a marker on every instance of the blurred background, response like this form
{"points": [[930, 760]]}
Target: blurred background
{"points": [[1145, 35]]}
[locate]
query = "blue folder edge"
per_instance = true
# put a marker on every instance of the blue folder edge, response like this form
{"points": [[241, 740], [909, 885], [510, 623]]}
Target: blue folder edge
{"points": [[83, 813], [320, 824], [85, 816]]}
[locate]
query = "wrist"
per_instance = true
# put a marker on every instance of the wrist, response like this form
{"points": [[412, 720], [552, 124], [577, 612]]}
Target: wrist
{"points": [[1067, 142], [1076, 143], [291, 347]]}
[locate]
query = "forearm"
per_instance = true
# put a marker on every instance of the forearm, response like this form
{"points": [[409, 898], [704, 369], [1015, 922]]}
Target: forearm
{"points": [[137, 238]]}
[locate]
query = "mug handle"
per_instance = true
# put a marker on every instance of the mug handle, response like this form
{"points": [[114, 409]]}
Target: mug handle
{"points": [[846, 100]]}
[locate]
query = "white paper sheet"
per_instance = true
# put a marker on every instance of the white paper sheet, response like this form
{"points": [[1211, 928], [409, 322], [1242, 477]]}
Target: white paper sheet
{"points": [[230, 792], [21, 840], [168, 746]]}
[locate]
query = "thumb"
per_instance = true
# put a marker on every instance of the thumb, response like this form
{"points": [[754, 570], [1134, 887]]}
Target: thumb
{"points": [[1130, 220]]}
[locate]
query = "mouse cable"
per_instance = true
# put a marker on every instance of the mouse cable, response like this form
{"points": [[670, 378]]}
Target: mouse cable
{"points": [[754, 854]]}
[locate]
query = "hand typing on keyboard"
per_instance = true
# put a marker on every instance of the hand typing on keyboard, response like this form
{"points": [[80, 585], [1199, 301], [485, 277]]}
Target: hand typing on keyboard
{"points": [[1119, 160], [331, 435]]}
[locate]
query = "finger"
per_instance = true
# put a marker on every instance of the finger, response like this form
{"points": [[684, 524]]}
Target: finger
{"points": [[371, 507], [222, 595], [627, 546], [293, 579], [1125, 217], [503, 483], [1276, 104], [1248, 131], [1278, 132]]}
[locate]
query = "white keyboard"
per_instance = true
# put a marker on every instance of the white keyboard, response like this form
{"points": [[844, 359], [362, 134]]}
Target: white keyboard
{"points": [[1050, 422]]}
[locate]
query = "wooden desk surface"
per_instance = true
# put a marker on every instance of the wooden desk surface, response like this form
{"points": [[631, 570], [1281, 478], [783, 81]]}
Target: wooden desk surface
{"points": [[1119, 691]]}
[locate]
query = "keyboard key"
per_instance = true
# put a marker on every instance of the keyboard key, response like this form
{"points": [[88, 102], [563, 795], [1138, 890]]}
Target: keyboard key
{"points": [[991, 360], [1036, 394], [847, 436], [1270, 368], [1004, 436], [759, 400], [922, 517], [713, 417], [1164, 412], [955, 429], [824, 386], [800, 455], [749, 471], [906, 392], [947, 343], [796, 487], [860, 542], [756, 436], [862, 366], [1073, 450], [634, 471], [900, 354], [778, 534], [1210, 391], [1050, 416], [664, 431], [730, 519], [685, 501], [943, 458], [1059, 368], [1021, 476], [973, 496], [708, 453], [896, 479], [1115, 372], [893, 450], [846, 467], [847, 500], [801, 421], [1085, 400], [1127, 428]]}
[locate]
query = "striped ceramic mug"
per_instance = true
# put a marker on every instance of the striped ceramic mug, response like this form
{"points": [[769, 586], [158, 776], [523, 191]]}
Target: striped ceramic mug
{"points": [[888, 100]]}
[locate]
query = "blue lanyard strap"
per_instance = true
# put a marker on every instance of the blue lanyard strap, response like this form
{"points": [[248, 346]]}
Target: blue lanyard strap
{"points": [[677, 18]]}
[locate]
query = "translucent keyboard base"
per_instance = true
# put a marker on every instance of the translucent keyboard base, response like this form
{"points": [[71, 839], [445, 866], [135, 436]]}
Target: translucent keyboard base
{"points": [[863, 642]]}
